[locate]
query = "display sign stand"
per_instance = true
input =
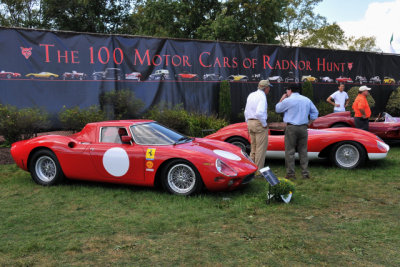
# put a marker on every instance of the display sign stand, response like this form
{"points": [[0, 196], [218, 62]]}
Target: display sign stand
{"points": [[271, 179]]}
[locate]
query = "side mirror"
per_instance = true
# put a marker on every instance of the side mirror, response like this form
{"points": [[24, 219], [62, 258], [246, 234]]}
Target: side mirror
{"points": [[126, 139]]}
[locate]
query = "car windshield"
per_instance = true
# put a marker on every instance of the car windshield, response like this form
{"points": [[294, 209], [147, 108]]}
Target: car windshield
{"points": [[389, 118], [155, 134]]}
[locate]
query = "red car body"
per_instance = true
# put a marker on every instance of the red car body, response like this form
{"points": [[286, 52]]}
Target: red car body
{"points": [[388, 130], [187, 76], [344, 80], [321, 143], [9, 75], [98, 153]]}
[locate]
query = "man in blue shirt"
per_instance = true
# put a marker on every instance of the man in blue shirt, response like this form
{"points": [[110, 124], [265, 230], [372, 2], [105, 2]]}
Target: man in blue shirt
{"points": [[297, 111]]}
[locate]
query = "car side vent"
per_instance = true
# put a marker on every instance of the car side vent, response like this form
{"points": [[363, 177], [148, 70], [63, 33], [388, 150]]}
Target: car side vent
{"points": [[71, 144]]}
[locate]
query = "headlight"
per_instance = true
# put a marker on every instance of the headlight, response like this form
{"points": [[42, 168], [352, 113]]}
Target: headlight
{"points": [[383, 146], [247, 156], [223, 168]]}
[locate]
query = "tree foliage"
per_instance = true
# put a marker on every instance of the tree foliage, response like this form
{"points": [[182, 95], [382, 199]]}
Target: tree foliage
{"points": [[246, 21], [299, 19], [307, 90], [329, 36], [363, 43], [393, 104], [101, 16], [22, 13], [231, 20]]}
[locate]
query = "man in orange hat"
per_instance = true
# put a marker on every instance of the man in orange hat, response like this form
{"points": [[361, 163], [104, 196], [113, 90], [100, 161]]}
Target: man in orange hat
{"points": [[362, 112]]}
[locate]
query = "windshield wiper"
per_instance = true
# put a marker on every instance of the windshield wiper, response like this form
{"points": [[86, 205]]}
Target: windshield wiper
{"points": [[183, 138]]}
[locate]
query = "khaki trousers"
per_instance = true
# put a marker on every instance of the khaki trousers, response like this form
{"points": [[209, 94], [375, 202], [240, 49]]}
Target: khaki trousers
{"points": [[259, 142], [296, 137]]}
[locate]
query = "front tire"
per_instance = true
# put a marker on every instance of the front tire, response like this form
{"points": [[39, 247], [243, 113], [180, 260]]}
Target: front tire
{"points": [[180, 177], [348, 155], [45, 168]]}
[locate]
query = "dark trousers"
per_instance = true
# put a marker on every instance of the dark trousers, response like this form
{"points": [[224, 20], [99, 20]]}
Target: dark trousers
{"points": [[296, 137], [361, 123]]}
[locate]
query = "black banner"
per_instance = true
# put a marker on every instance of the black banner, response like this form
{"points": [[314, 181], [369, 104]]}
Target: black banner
{"points": [[55, 69]]}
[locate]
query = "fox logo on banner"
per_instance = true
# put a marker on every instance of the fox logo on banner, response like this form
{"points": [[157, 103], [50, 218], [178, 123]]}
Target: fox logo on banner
{"points": [[26, 52], [350, 65]]}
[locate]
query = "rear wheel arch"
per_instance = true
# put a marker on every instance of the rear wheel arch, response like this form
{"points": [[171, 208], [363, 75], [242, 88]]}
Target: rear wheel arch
{"points": [[34, 151]]}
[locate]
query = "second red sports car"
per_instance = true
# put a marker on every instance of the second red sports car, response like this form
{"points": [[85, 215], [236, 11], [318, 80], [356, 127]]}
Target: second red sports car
{"points": [[9, 75], [346, 147], [385, 126]]}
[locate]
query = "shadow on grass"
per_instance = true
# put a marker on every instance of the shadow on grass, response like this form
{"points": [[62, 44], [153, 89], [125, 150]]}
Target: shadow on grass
{"points": [[246, 189]]}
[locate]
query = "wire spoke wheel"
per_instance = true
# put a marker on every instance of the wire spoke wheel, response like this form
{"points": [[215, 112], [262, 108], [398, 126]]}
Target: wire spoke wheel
{"points": [[46, 169], [347, 156], [181, 178]]}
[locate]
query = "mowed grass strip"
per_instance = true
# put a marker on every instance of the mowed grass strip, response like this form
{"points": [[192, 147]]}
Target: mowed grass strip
{"points": [[339, 217]]}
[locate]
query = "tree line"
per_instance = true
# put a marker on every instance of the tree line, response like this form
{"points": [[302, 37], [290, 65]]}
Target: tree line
{"points": [[284, 22]]}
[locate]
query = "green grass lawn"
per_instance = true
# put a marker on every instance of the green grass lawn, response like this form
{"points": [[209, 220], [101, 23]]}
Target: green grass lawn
{"points": [[339, 218]]}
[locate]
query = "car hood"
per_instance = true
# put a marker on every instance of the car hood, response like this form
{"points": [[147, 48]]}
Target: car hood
{"points": [[213, 149], [345, 131]]}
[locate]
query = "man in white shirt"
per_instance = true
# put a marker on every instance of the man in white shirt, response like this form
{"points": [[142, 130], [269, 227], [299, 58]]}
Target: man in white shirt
{"points": [[340, 99], [255, 114]]}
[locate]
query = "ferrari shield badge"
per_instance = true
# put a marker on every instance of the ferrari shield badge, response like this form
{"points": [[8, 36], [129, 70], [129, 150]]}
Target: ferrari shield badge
{"points": [[150, 153]]}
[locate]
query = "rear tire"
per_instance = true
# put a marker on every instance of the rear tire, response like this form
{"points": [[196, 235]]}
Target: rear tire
{"points": [[180, 177], [45, 168], [348, 155]]}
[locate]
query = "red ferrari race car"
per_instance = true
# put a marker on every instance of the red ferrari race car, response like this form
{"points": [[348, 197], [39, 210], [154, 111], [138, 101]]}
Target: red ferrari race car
{"points": [[385, 126], [187, 76], [342, 79], [135, 152], [347, 148], [9, 75]]}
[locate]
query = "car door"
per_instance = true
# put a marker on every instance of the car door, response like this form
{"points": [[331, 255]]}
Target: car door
{"points": [[115, 161]]}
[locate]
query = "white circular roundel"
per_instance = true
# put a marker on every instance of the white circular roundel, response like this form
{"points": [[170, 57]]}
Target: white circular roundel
{"points": [[226, 154], [116, 161]]}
